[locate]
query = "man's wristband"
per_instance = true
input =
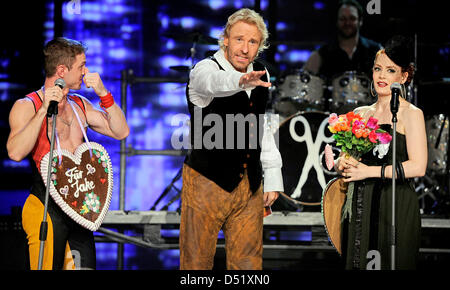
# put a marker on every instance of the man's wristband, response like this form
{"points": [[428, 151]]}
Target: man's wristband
{"points": [[106, 101]]}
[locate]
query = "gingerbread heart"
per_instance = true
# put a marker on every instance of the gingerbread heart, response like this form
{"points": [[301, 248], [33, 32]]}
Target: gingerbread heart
{"points": [[82, 184]]}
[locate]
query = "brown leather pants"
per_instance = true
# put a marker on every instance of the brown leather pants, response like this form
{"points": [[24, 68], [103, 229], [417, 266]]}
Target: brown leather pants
{"points": [[206, 208]]}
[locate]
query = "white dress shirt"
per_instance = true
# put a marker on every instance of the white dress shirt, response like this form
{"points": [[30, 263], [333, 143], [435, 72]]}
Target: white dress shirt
{"points": [[208, 81]]}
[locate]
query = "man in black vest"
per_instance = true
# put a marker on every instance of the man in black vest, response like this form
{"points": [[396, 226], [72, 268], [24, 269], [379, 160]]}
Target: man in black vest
{"points": [[231, 146]]}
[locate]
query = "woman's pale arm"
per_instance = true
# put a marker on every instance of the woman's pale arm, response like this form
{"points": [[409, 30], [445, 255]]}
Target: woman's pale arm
{"points": [[416, 143]]}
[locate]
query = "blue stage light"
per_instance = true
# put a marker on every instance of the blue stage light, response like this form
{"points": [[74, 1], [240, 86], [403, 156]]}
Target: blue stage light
{"points": [[215, 31], [188, 22], [280, 26], [299, 55], [216, 4], [318, 5]]}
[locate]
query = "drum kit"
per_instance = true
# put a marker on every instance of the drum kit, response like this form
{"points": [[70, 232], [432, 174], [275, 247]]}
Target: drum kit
{"points": [[299, 92], [302, 91], [303, 102]]}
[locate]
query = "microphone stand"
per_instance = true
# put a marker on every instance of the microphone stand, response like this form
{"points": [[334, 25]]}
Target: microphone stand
{"points": [[394, 155], [53, 111]]}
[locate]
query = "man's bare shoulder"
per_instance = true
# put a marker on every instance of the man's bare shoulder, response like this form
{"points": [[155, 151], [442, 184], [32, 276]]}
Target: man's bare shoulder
{"points": [[81, 97], [86, 102], [22, 111], [23, 104]]}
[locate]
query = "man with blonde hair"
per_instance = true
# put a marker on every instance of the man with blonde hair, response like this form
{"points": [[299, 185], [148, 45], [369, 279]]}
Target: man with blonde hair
{"points": [[248, 16], [222, 184]]}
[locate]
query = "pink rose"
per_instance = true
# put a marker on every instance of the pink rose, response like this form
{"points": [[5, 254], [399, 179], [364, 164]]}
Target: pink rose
{"points": [[384, 137], [333, 119], [358, 124], [372, 123]]}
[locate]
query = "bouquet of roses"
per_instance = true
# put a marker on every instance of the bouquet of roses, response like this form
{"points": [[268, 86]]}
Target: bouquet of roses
{"points": [[356, 136]]}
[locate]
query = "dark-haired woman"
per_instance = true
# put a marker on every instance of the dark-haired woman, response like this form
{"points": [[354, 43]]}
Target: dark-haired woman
{"points": [[368, 231]]}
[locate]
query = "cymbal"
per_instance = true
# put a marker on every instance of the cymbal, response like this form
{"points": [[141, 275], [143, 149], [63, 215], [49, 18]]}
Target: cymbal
{"points": [[195, 37], [181, 68]]}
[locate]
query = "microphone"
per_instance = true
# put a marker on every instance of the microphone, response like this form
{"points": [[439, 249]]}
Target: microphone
{"points": [[53, 106], [395, 94]]}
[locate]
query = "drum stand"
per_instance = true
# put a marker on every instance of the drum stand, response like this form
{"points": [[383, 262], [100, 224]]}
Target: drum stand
{"points": [[167, 190], [44, 224], [427, 187]]}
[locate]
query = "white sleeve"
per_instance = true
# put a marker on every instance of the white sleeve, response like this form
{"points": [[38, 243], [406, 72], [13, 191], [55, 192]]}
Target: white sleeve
{"points": [[207, 81], [270, 155]]}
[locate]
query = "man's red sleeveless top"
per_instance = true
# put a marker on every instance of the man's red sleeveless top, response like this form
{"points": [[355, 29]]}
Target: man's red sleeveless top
{"points": [[42, 145]]}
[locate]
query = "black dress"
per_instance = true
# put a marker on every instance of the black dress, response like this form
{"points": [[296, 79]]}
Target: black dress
{"points": [[369, 228]]}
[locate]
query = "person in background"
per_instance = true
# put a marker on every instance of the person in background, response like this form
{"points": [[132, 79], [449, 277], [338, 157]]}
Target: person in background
{"points": [[349, 51]]}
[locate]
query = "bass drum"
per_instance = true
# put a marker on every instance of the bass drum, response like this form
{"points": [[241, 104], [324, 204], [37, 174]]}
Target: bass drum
{"points": [[302, 138], [437, 137], [333, 200], [350, 90]]}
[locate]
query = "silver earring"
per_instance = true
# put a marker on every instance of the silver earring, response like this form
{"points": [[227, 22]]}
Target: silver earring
{"points": [[404, 91], [372, 90]]}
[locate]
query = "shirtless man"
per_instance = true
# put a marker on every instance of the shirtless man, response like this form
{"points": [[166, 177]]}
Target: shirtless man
{"points": [[31, 132]]}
